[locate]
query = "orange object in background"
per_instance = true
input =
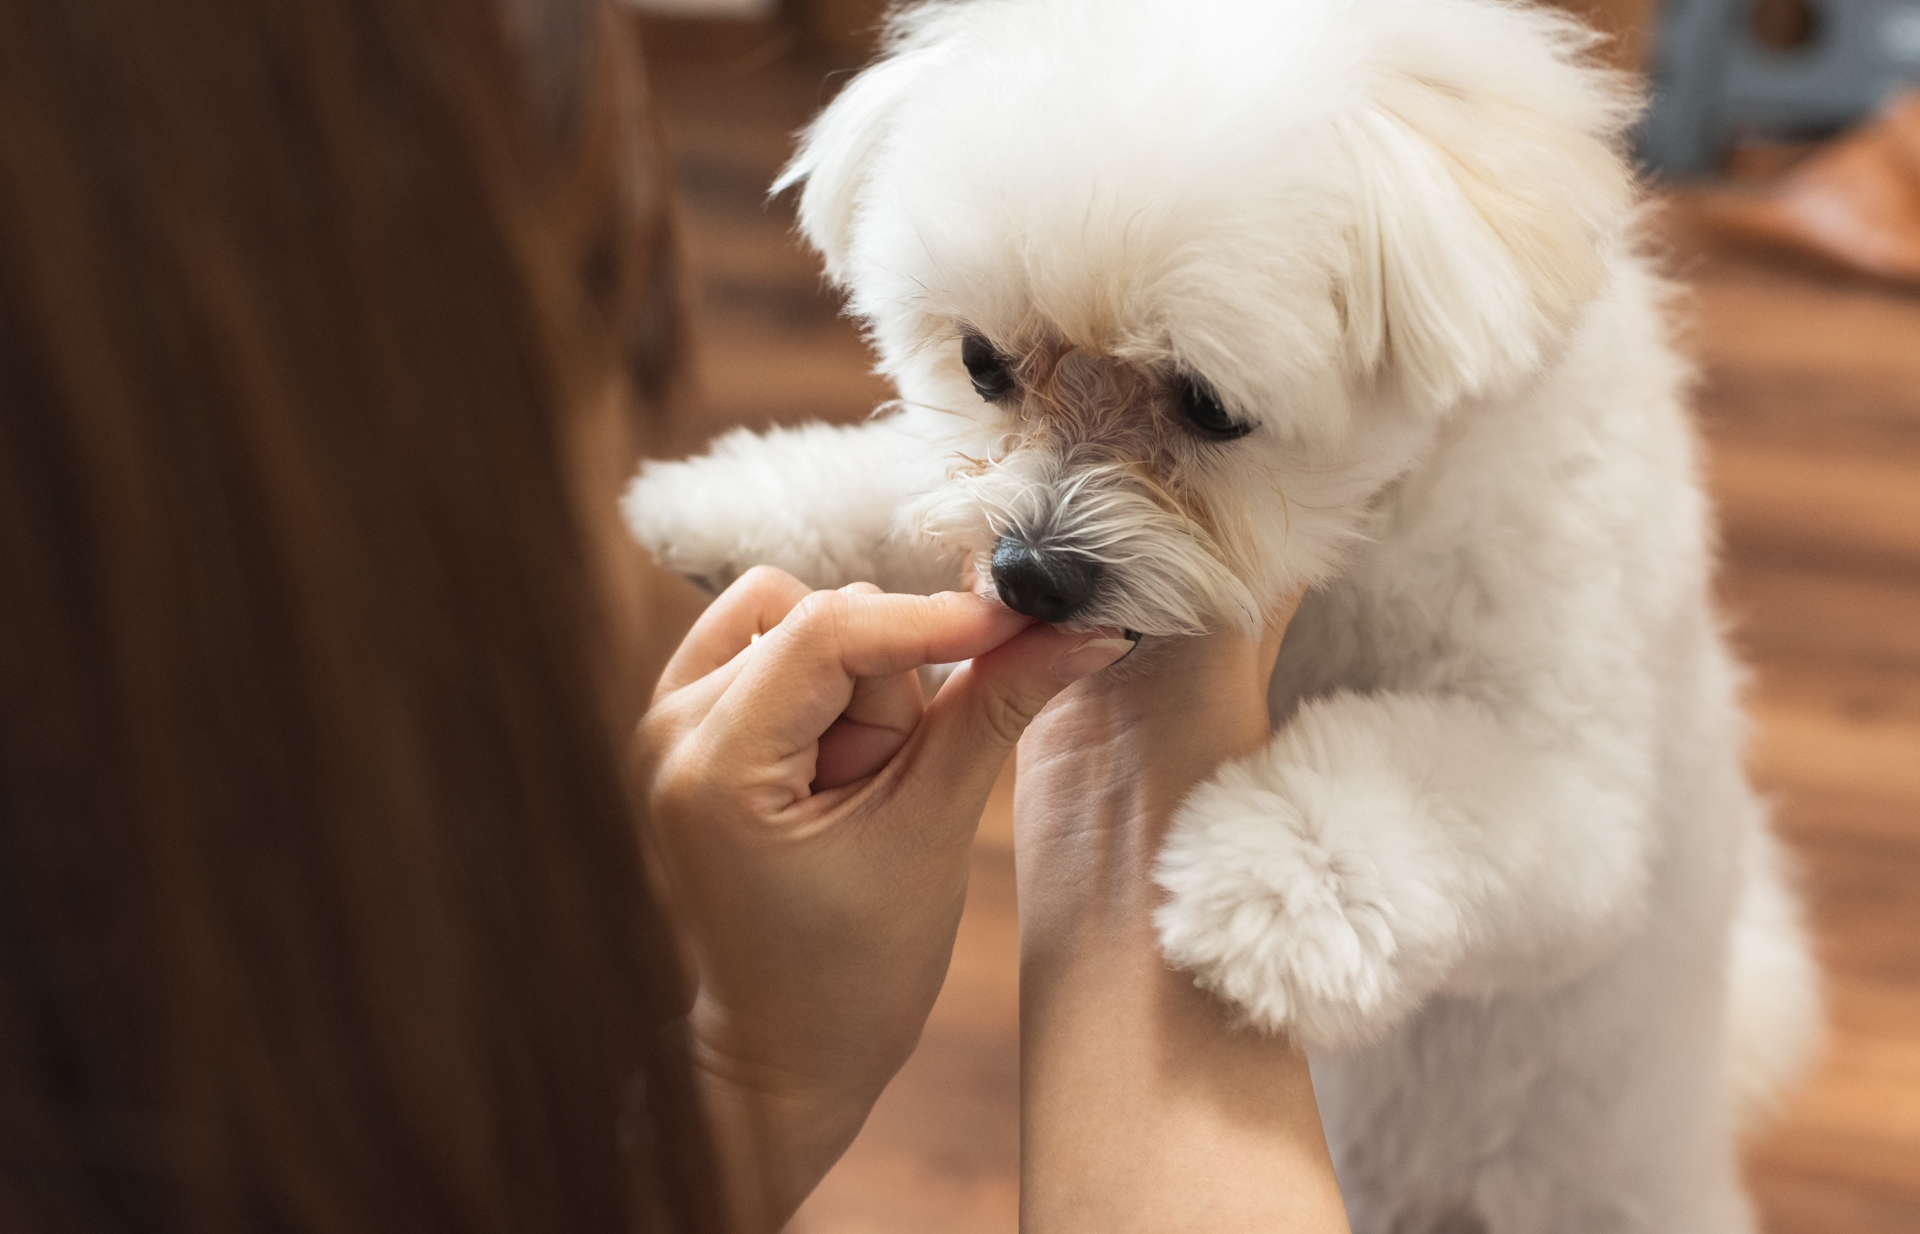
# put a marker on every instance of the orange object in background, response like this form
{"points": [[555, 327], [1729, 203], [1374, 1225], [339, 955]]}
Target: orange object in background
{"points": [[1854, 204]]}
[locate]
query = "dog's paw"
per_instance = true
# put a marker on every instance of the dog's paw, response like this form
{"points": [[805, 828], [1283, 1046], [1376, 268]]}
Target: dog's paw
{"points": [[818, 501], [1285, 915], [671, 510]]}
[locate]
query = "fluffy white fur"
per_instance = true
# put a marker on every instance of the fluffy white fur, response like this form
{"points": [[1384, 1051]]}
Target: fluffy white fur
{"points": [[1499, 869]]}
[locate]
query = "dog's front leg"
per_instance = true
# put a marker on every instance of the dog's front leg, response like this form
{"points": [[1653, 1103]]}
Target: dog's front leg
{"points": [[1383, 846], [822, 502]]}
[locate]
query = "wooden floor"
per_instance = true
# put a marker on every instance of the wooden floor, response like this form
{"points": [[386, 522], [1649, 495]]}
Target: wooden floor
{"points": [[1810, 400]]}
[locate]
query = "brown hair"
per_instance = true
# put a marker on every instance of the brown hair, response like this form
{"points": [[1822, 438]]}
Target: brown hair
{"points": [[319, 901]]}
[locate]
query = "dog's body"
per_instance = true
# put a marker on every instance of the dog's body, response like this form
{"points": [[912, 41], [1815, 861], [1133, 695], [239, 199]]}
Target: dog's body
{"points": [[1192, 305]]}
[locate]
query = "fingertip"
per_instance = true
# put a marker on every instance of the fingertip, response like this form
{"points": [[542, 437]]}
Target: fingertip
{"points": [[967, 599], [1099, 651], [1039, 662], [960, 625], [984, 707], [974, 606]]}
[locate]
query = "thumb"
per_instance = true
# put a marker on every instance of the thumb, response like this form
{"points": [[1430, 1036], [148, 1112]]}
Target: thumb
{"points": [[978, 716]]}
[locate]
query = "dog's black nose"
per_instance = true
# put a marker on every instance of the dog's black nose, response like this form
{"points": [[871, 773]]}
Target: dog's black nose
{"points": [[1043, 583]]}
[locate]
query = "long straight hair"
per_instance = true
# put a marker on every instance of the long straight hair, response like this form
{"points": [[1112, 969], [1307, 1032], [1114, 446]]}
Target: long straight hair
{"points": [[320, 904]]}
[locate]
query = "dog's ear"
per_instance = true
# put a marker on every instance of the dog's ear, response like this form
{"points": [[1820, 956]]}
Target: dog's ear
{"points": [[837, 148], [1485, 227]]}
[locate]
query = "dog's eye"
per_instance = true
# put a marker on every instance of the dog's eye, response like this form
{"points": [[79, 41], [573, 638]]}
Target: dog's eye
{"points": [[991, 377], [1203, 410]]}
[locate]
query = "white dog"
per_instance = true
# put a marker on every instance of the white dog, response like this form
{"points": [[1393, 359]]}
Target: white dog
{"points": [[1195, 303]]}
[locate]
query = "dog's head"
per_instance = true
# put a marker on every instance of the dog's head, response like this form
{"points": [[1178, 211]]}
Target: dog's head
{"points": [[1195, 279]]}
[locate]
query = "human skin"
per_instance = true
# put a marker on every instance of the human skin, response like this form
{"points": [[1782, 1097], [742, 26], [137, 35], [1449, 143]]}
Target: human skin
{"points": [[812, 818], [1144, 1108]]}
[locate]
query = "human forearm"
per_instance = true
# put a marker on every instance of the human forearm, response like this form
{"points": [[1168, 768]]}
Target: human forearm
{"points": [[774, 1144], [1143, 1108]]}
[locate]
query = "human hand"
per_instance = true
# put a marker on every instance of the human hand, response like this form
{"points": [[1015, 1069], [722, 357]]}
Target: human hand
{"points": [[812, 817]]}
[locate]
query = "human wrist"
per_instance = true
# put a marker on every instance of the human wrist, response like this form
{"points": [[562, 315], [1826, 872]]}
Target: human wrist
{"points": [[1102, 775], [1103, 771], [775, 1135]]}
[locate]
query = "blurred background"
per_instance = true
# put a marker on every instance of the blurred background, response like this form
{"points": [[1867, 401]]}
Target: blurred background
{"points": [[1790, 176]]}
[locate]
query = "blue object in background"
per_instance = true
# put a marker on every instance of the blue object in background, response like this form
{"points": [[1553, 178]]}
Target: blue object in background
{"points": [[1779, 68]]}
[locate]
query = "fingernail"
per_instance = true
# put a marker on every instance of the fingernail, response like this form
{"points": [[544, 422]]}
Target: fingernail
{"points": [[1090, 657]]}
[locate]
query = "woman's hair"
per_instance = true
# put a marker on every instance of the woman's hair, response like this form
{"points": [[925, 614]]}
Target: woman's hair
{"points": [[320, 907]]}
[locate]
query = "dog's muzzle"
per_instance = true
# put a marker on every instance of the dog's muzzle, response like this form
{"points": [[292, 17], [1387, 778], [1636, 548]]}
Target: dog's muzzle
{"points": [[1045, 584]]}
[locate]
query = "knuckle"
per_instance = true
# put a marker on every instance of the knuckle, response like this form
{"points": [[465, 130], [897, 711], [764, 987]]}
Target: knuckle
{"points": [[762, 588], [666, 721], [652, 738], [678, 782], [765, 579], [819, 611]]}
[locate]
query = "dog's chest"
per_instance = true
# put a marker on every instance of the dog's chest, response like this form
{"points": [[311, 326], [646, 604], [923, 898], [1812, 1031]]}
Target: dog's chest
{"points": [[1400, 616]]}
